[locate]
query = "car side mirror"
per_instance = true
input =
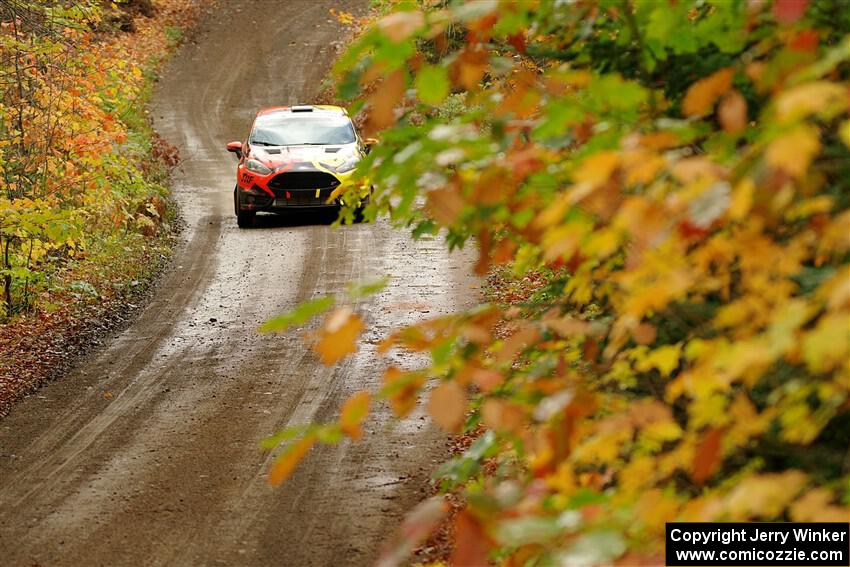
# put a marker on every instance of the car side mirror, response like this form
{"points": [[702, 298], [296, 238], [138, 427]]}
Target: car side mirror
{"points": [[236, 148]]}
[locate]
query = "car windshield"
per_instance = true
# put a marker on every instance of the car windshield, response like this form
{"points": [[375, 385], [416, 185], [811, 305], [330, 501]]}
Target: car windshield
{"points": [[287, 129]]}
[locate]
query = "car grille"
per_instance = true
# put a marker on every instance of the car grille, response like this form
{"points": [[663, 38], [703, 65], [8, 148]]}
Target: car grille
{"points": [[302, 198], [302, 180]]}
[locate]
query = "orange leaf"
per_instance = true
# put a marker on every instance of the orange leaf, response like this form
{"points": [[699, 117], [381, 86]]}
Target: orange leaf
{"points": [[517, 40], [398, 26], [289, 459], [567, 326], [789, 11], [469, 67], [486, 380], [447, 405], [644, 334], [484, 242], [338, 335], [354, 411], [500, 415], [383, 101], [707, 457], [520, 340], [417, 526], [733, 112], [702, 95], [445, 204], [504, 251], [471, 545], [403, 388]]}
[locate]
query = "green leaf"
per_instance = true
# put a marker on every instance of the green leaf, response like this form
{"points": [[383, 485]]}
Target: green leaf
{"points": [[523, 531], [595, 548], [285, 435], [432, 84], [299, 315], [357, 291], [460, 469], [329, 434]]}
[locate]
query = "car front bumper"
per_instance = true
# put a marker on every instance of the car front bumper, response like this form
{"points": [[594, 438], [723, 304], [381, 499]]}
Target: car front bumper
{"points": [[274, 194]]}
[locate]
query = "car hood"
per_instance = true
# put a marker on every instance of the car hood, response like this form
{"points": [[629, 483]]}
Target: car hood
{"points": [[277, 156]]}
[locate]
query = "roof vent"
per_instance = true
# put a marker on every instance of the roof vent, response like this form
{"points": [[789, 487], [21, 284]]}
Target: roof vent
{"points": [[302, 109]]}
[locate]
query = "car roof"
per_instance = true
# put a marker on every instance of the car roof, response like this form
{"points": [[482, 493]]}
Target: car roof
{"points": [[306, 108]]}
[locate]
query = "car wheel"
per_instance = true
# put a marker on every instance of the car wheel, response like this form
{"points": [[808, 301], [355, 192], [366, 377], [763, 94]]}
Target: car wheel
{"points": [[245, 219], [358, 214]]}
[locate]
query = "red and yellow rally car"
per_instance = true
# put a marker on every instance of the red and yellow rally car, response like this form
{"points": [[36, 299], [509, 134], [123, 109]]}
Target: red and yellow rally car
{"points": [[296, 158]]}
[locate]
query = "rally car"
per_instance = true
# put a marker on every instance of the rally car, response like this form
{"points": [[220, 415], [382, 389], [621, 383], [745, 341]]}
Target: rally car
{"points": [[296, 158]]}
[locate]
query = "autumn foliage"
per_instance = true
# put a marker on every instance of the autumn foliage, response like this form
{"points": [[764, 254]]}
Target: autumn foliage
{"points": [[80, 168], [679, 172]]}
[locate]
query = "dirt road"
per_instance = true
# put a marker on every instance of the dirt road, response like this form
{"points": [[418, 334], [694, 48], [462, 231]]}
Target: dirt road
{"points": [[146, 454]]}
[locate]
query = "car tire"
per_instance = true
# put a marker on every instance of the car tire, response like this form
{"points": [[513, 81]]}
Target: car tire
{"points": [[244, 219], [358, 212]]}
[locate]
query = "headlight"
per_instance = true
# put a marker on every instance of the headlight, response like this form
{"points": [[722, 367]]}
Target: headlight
{"points": [[349, 164], [257, 167]]}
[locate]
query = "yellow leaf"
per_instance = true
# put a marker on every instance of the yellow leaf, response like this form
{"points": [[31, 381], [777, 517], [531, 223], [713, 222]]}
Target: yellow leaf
{"points": [[338, 336], [828, 344], [553, 213], [812, 98], [794, 151], [604, 447], [562, 241], [447, 405], [742, 199], [764, 496], [844, 132], [702, 95], [664, 359], [602, 243], [354, 411], [816, 506], [642, 166], [746, 422], [597, 168], [289, 459], [655, 508], [809, 207]]}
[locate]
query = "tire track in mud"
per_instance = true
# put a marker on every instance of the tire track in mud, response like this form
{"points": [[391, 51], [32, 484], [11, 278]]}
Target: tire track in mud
{"points": [[147, 453]]}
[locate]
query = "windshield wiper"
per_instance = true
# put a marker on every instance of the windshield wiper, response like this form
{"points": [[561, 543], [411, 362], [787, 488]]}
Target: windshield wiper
{"points": [[263, 143]]}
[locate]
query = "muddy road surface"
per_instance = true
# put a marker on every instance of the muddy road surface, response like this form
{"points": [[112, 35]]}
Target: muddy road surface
{"points": [[147, 453]]}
